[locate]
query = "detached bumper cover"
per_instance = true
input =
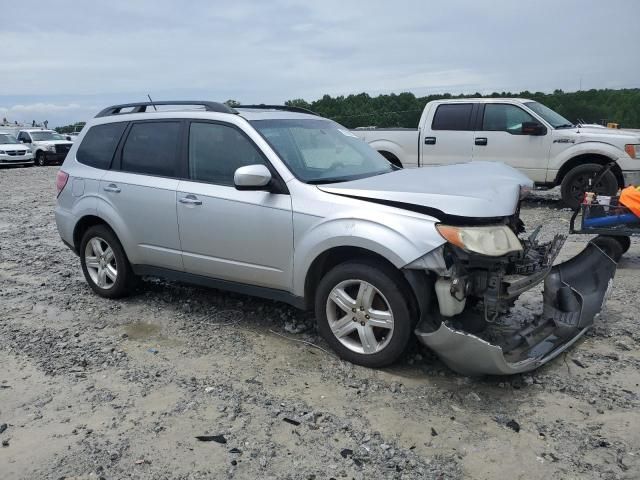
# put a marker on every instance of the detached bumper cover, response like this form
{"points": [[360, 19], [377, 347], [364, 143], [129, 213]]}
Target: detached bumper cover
{"points": [[574, 293]]}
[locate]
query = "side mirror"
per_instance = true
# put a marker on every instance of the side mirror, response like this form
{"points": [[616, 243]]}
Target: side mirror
{"points": [[26, 140], [252, 177], [533, 128]]}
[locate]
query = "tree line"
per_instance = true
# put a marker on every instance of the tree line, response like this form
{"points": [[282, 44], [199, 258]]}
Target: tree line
{"points": [[620, 106]]}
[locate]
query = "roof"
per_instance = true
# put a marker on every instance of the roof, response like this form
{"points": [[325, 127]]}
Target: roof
{"points": [[37, 130], [485, 99]]}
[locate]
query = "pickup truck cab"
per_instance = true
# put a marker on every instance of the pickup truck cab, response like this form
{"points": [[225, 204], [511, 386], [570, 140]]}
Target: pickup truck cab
{"points": [[522, 133], [48, 146]]}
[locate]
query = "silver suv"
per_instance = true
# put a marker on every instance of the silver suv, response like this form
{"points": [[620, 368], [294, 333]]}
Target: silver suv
{"points": [[278, 202]]}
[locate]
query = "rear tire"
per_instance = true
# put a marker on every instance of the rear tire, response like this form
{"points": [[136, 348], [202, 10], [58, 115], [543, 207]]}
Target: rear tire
{"points": [[364, 313], [609, 245], [104, 263], [576, 182]]}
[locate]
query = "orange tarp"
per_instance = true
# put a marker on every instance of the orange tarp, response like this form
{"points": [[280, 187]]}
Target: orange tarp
{"points": [[630, 198]]}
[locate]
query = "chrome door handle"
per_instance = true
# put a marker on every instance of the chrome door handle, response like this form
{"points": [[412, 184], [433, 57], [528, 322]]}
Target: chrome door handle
{"points": [[190, 200], [112, 187]]}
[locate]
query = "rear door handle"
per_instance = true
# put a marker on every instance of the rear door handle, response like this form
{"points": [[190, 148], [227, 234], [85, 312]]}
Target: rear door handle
{"points": [[481, 140], [190, 200], [429, 140], [112, 187]]}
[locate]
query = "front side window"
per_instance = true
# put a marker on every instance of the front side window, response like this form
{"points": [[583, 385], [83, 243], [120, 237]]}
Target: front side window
{"points": [[216, 151], [7, 138], [99, 145], [321, 151], [23, 136], [452, 116], [152, 148], [502, 117]]}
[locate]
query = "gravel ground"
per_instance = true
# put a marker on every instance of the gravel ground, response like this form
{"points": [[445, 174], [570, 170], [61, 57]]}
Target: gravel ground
{"points": [[93, 388]]}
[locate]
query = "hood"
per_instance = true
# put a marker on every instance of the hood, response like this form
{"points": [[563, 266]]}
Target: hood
{"points": [[53, 142], [13, 146], [609, 135], [473, 189]]}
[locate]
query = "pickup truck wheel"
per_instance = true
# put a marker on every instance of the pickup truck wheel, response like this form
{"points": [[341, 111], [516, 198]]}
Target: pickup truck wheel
{"points": [[104, 263], [363, 313], [609, 245], [576, 182], [40, 159]]}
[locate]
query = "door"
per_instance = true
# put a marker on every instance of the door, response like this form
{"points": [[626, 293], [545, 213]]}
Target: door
{"points": [[500, 138], [140, 194], [449, 138], [240, 236]]}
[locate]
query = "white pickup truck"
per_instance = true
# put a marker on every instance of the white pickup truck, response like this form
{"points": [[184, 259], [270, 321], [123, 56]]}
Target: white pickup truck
{"points": [[522, 133]]}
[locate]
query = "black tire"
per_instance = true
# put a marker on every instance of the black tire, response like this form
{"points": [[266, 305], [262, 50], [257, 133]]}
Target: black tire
{"points": [[624, 241], [576, 182], [125, 278], [41, 160], [391, 157], [609, 245], [392, 289]]}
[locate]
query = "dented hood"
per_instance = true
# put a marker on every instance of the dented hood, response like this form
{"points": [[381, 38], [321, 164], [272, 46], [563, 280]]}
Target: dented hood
{"points": [[473, 189]]}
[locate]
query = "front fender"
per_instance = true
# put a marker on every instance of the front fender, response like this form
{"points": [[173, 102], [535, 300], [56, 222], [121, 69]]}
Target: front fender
{"points": [[394, 148], [399, 240], [585, 148]]}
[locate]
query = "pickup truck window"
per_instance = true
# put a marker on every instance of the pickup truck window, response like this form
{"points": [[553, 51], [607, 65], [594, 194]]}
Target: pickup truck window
{"points": [[502, 117], [554, 118], [321, 151], [452, 116], [99, 145], [216, 151], [42, 136]]}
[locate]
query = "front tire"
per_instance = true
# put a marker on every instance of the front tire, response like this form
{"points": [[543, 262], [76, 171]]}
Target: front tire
{"points": [[41, 160], [576, 182], [104, 263], [363, 312]]}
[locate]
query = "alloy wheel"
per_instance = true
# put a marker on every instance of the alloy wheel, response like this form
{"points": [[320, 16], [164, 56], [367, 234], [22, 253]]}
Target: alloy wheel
{"points": [[101, 263], [359, 316]]}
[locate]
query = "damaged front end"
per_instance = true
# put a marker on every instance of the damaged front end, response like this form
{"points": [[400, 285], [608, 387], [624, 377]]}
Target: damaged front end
{"points": [[477, 327]]}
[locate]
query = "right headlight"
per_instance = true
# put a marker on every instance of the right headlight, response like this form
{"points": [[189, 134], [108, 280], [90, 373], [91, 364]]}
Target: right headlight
{"points": [[493, 240], [633, 150]]}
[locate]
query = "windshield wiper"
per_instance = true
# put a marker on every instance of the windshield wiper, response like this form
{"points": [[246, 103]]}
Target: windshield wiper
{"points": [[565, 125], [320, 181]]}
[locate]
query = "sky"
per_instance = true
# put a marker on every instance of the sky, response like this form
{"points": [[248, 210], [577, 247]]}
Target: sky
{"points": [[63, 61]]}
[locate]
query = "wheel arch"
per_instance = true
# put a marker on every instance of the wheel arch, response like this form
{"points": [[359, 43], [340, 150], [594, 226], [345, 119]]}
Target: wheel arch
{"points": [[84, 224], [583, 158], [391, 157]]}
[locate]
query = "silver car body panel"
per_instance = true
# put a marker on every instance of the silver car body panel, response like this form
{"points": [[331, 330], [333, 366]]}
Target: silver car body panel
{"points": [[473, 189]]}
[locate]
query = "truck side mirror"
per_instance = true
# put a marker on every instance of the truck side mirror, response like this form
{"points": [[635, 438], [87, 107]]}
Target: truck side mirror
{"points": [[533, 128]]}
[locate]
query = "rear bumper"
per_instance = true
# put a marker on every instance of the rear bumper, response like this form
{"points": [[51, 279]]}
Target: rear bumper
{"points": [[65, 223], [574, 293]]}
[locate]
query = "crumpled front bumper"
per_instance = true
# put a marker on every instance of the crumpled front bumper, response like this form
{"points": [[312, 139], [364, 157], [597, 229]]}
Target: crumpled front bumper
{"points": [[574, 294]]}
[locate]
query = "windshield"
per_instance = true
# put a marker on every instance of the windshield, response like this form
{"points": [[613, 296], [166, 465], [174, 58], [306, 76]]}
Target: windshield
{"points": [[6, 138], [57, 136], [40, 136], [555, 119], [321, 151]]}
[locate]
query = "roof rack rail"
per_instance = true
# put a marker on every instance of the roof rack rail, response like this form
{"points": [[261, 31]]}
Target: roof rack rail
{"points": [[285, 108], [141, 107]]}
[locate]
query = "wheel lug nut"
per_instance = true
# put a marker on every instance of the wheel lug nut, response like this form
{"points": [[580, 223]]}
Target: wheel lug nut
{"points": [[353, 310], [362, 309], [362, 323], [354, 319], [367, 317]]}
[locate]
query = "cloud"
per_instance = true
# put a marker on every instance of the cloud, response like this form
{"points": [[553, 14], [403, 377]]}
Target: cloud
{"points": [[256, 51]]}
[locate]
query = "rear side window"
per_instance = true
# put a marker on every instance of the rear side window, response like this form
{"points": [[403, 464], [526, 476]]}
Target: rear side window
{"points": [[99, 145], [453, 116], [152, 148], [216, 151]]}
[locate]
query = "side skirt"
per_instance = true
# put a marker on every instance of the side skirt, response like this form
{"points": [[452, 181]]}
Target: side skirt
{"points": [[201, 280]]}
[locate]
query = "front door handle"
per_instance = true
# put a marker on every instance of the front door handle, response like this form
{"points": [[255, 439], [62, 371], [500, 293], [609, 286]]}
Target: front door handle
{"points": [[112, 187], [190, 200], [429, 140], [481, 140]]}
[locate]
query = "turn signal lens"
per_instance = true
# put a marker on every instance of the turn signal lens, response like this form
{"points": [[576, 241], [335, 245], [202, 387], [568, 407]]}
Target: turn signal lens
{"points": [[632, 150]]}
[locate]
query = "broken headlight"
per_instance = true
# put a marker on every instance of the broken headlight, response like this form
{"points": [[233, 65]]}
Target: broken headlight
{"points": [[494, 240]]}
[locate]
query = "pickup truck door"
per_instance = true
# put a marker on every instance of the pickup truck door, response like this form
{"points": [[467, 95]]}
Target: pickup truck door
{"points": [[447, 135], [499, 137], [225, 233]]}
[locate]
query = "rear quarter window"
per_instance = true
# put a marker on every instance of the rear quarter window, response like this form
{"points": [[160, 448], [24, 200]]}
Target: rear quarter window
{"points": [[99, 145], [454, 116]]}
